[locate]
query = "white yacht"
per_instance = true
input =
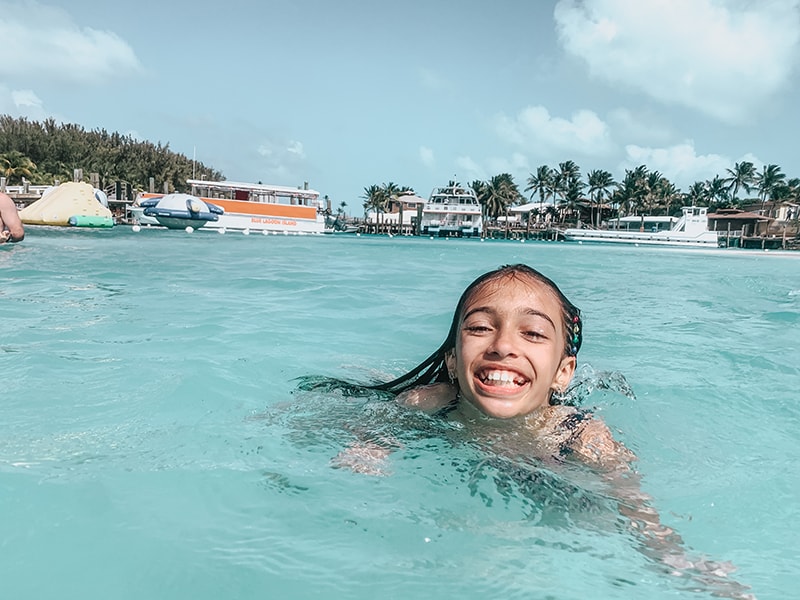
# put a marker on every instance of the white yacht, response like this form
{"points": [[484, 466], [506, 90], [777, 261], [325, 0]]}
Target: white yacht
{"points": [[691, 229], [452, 211]]}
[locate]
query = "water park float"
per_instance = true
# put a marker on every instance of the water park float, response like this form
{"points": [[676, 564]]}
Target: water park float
{"points": [[71, 204], [179, 211]]}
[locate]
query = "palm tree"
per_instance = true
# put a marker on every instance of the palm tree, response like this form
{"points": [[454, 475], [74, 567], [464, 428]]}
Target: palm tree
{"points": [[667, 193], [651, 183], [569, 170], [741, 176], [389, 192], [631, 191], [717, 190], [767, 181], [793, 189], [500, 193], [572, 197], [600, 184], [556, 187], [14, 165], [540, 184], [374, 199], [697, 194], [479, 187]]}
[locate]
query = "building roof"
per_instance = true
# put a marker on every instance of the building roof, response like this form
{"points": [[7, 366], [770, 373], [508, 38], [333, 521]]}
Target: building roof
{"points": [[409, 198], [524, 208], [734, 214]]}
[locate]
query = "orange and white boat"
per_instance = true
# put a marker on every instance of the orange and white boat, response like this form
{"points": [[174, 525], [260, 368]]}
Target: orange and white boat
{"points": [[255, 207]]}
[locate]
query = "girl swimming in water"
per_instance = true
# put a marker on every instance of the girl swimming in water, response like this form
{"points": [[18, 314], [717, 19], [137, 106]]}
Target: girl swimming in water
{"points": [[508, 358], [510, 354]]}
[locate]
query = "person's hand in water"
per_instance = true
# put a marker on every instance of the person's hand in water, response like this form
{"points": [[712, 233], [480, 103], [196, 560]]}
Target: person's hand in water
{"points": [[367, 458]]}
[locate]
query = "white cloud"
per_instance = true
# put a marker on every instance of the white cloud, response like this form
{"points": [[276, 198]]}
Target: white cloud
{"points": [[281, 160], [21, 103], [721, 57], [679, 163], [537, 132], [43, 42], [296, 148], [637, 127], [469, 170], [26, 98], [426, 156]]}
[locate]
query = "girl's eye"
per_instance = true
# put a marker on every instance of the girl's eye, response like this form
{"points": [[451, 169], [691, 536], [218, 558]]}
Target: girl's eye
{"points": [[476, 328], [536, 335]]}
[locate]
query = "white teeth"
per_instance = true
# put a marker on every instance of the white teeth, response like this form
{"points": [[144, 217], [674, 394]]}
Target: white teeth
{"points": [[503, 376]]}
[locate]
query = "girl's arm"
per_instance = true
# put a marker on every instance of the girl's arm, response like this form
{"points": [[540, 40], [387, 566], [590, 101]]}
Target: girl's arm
{"points": [[368, 456], [593, 444]]}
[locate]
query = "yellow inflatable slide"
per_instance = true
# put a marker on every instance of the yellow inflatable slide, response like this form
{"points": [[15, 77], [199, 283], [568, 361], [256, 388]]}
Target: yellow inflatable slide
{"points": [[70, 204]]}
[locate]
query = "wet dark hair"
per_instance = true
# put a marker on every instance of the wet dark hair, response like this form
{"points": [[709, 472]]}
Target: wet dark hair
{"points": [[434, 368]]}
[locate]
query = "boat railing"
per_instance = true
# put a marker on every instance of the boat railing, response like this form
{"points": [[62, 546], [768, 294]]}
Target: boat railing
{"points": [[680, 225]]}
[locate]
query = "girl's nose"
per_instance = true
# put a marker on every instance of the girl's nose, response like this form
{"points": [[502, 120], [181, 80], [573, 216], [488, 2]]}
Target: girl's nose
{"points": [[504, 343]]}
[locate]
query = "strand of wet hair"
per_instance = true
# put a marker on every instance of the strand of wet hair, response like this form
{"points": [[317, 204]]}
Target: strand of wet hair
{"points": [[425, 372]]}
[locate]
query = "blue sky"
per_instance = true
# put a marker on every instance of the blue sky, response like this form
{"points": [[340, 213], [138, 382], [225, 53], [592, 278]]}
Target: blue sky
{"points": [[348, 93]]}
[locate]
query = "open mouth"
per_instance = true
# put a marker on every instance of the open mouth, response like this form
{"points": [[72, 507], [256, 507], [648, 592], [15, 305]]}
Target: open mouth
{"points": [[501, 379]]}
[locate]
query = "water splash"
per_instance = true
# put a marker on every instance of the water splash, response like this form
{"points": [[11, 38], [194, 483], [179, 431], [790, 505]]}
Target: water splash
{"points": [[588, 381]]}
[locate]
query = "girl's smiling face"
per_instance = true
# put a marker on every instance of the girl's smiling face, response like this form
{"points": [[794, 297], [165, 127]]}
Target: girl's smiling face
{"points": [[510, 347]]}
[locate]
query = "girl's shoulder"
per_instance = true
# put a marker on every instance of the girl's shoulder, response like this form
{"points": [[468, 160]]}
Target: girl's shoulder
{"points": [[584, 436]]}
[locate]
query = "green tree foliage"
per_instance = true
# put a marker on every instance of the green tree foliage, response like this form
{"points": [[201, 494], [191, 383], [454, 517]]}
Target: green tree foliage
{"points": [[54, 150], [497, 195], [770, 179], [742, 175], [540, 184], [15, 167], [600, 184]]}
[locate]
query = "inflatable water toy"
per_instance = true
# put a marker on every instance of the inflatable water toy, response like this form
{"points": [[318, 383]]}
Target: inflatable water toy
{"points": [[179, 211], [71, 204]]}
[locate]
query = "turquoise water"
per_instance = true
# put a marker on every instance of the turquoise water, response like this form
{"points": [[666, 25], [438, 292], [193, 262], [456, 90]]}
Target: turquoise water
{"points": [[153, 443]]}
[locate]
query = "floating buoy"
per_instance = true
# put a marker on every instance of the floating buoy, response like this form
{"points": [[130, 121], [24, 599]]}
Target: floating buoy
{"points": [[136, 229], [221, 230], [246, 232], [189, 229]]}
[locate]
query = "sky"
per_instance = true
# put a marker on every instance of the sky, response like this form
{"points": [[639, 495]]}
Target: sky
{"points": [[345, 94]]}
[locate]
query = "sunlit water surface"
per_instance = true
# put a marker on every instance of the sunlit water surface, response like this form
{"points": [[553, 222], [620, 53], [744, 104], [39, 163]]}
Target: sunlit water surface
{"points": [[154, 444]]}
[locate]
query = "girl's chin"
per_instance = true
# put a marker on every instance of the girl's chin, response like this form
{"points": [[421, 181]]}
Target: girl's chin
{"points": [[499, 408]]}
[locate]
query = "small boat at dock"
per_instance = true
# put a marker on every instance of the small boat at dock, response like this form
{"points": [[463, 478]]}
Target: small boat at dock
{"points": [[690, 230]]}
